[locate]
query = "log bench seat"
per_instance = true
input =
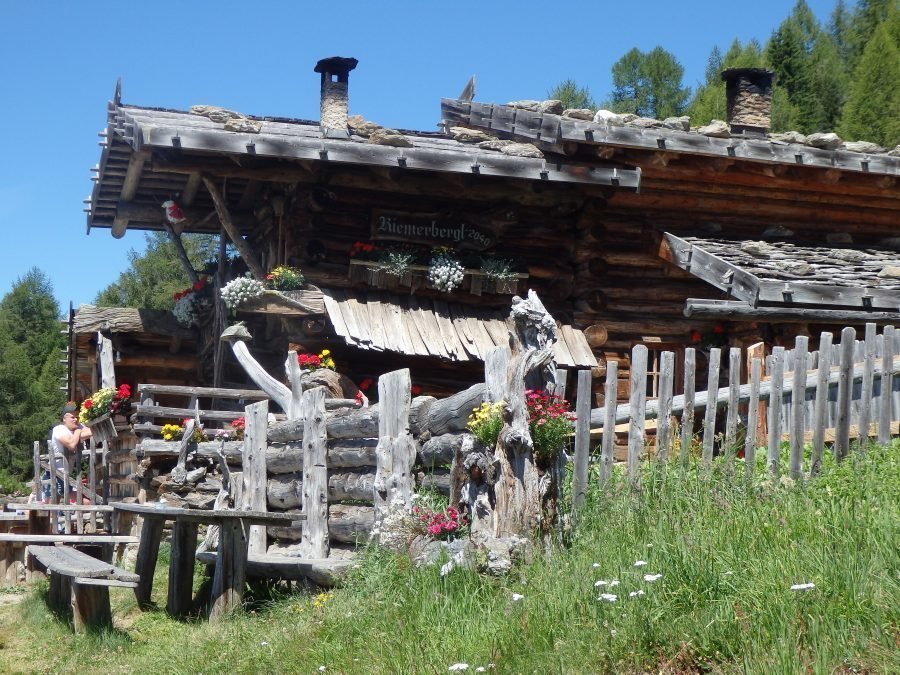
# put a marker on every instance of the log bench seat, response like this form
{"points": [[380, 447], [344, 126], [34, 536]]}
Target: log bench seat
{"points": [[80, 582], [326, 572]]}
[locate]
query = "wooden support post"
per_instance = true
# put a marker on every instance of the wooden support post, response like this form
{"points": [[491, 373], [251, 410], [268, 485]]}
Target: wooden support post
{"points": [[247, 253], [90, 606], [638, 403], [687, 416], [664, 421], [758, 351], [582, 438], [292, 367], [610, 402], [821, 404], [733, 413], [709, 417], [773, 456], [36, 456], [798, 406], [845, 394], [865, 401], [315, 542], [145, 563], [231, 569], [92, 479], [753, 410], [254, 469], [396, 452], [175, 238], [181, 567], [887, 387]]}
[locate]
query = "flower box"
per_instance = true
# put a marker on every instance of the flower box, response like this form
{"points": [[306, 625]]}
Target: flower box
{"points": [[102, 428], [474, 281]]}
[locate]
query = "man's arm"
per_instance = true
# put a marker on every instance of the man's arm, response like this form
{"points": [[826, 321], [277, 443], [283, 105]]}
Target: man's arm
{"points": [[71, 439]]}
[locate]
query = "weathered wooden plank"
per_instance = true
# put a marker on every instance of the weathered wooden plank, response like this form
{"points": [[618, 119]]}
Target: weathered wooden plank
{"points": [[254, 469], [887, 382], [666, 387], [419, 348], [315, 542], [687, 416], [880, 299], [773, 454], [396, 452], [798, 400], [753, 410], [452, 343], [461, 326], [821, 404], [732, 413], [332, 300], [145, 562], [735, 309], [181, 568], [637, 404], [845, 394], [709, 419], [608, 442], [582, 438], [158, 411], [426, 323], [865, 402], [376, 321]]}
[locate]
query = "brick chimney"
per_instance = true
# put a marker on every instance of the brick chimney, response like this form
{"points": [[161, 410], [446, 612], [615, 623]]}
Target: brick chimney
{"points": [[335, 85], [748, 95]]}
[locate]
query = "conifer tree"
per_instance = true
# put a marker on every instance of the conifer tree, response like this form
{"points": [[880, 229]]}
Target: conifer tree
{"points": [[649, 84], [572, 95]]}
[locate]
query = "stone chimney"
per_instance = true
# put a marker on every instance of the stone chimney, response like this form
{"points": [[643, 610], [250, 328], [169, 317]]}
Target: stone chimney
{"points": [[748, 95], [335, 85]]}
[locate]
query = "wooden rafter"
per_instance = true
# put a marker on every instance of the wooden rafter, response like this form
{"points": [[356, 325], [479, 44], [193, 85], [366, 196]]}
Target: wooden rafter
{"points": [[247, 253], [735, 309]]}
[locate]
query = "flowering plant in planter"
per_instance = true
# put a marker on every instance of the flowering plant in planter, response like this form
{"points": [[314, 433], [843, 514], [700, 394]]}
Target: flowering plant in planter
{"points": [[105, 401], [396, 260], [285, 278], [485, 423], [243, 289], [190, 302], [445, 272], [313, 361], [550, 422], [363, 250], [498, 269]]}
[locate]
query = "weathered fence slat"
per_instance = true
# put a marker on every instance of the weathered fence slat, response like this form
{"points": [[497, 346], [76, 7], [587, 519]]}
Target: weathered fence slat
{"points": [[315, 543], [582, 437], [396, 450], [733, 413], [663, 427], [753, 411], [709, 418], [638, 403], [687, 416], [865, 401], [609, 428], [887, 387], [798, 403], [821, 406], [256, 418], [773, 455], [845, 395]]}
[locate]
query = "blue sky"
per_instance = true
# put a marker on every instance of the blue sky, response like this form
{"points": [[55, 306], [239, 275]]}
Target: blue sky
{"points": [[61, 60]]}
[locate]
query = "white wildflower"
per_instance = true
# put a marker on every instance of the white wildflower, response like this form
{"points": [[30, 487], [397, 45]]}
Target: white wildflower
{"points": [[727, 574], [517, 596], [459, 666], [445, 272], [636, 593], [652, 577], [263, 644], [238, 291], [480, 669], [640, 563], [595, 565], [608, 597], [321, 669], [803, 587]]}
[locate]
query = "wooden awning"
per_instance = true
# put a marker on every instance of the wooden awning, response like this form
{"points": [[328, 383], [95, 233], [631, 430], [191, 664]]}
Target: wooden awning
{"points": [[786, 274], [426, 327]]}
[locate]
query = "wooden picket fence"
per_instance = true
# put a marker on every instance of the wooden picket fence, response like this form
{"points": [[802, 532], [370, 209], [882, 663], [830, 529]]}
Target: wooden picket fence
{"points": [[849, 392]]}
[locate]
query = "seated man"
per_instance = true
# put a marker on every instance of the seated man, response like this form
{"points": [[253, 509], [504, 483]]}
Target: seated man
{"points": [[65, 442]]}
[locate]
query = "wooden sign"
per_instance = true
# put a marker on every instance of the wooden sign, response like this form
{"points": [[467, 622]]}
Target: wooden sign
{"points": [[430, 229]]}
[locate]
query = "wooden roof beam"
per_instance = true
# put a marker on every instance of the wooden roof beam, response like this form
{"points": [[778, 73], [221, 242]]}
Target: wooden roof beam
{"points": [[741, 311], [190, 188], [244, 248]]}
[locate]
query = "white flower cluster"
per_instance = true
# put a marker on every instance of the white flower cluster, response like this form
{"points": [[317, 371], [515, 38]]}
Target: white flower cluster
{"points": [[187, 308], [238, 291], [445, 272]]}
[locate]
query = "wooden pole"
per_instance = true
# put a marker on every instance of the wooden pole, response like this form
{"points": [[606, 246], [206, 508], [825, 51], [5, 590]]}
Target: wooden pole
{"points": [[821, 405], [753, 411], [773, 455], [733, 413], [36, 456], [182, 254], [709, 417], [638, 404], [396, 452], [887, 387], [247, 253], [582, 438], [687, 416], [664, 425], [609, 428], [254, 469], [314, 541], [798, 404], [865, 402], [845, 394]]}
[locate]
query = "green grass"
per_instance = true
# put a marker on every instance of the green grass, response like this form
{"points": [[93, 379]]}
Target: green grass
{"points": [[728, 551]]}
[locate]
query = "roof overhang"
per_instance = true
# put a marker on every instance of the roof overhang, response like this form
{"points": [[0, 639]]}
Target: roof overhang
{"points": [[788, 275]]}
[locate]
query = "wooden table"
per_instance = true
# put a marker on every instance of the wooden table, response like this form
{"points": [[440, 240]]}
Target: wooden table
{"points": [[39, 514], [231, 560]]}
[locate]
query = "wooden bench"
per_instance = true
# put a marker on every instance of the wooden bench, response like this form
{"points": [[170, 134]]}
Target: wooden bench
{"points": [[327, 572], [81, 582]]}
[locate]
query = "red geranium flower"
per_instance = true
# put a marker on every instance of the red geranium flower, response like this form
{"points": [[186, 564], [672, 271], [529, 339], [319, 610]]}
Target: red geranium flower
{"points": [[88, 403]]}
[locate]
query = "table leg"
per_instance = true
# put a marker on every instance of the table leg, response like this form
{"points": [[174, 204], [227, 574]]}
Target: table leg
{"points": [[231, 568], [148, 551], [181, 567]]}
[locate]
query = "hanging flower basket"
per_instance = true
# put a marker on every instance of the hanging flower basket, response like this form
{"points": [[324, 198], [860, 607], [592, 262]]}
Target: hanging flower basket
{"points": [[102, 428]]}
